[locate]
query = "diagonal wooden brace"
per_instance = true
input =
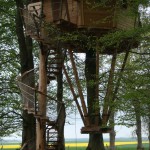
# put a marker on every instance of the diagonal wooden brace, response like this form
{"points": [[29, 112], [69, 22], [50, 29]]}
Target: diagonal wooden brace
{"points": [[79, 88]]}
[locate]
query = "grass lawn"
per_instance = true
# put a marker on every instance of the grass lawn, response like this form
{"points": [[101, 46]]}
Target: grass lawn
{"points": [[73, 146]]}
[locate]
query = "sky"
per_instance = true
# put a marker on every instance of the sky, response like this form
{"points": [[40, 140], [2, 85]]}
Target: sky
{"points": [[72, 130], [73, 126]]}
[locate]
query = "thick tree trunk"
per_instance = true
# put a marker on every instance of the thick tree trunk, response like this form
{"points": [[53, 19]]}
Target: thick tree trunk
{"points": [[112, 133], [95, 139], [41, 124], [26, 61], [96, 142], [149, 131], [139, 133], [61, 111], [136, 104]]}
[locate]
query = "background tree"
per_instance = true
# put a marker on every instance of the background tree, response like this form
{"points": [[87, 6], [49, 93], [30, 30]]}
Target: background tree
{"points": [[10, 116], [26, 61]]}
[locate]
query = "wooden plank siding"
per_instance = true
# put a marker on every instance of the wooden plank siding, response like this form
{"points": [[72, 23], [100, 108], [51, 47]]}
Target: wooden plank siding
{"points": [[47, 10], [125, 19], [56, 9], [100, 18], [79, 13], [73, 11]]}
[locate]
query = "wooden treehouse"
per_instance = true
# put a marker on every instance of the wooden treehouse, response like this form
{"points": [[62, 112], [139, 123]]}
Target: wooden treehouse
{"points": [[67, 15], [80, 14]]}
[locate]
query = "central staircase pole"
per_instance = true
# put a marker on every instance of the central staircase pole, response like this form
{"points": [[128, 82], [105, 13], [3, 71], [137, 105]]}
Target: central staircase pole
{"points": [[41, 125]]}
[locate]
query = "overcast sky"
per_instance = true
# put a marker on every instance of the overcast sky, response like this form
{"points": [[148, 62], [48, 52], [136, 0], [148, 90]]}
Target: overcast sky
{"points": [[72, 130]]}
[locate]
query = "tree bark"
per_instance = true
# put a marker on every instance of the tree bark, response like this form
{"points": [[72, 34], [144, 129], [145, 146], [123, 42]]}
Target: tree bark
{"points": [[61, 110], [139, 133], [112, 133], [41, 124], [96, 142], [95, 139], [136, 104], [149, 131], [26, 61]]}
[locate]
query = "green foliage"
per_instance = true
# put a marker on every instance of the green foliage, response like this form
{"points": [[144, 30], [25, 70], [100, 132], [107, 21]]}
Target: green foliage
{"points": [[133, 4], [9, 97], [114, 39]]}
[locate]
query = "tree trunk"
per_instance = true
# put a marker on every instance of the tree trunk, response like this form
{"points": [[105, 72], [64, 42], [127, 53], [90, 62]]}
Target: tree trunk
{"points": [[26, 61], [95, 139], [139, 133], [41, 124], [112, 133], [95, 142], [136, 104], [149, 131], [61, 111]]}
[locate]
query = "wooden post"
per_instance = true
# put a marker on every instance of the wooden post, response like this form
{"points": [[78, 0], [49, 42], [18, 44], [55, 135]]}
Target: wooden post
{"points": [[97, 111], [74, 95], [109, 92], [79, 88], [40, 130]]}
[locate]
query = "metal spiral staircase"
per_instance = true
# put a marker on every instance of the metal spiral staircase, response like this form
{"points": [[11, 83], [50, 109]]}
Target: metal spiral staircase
{"points": [[27, 84]]}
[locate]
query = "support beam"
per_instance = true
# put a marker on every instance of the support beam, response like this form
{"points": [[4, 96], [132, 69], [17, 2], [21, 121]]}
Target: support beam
{"points": [[97, 110], [118, 82], [40, 129], [109, 92], [79, 88], [74, 95]]}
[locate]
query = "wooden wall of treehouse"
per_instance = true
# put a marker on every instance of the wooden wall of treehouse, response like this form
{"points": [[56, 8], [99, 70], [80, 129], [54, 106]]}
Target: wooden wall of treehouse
{"points": [[56, 10], [82, 15], [101, 17], [125, 19], [47, 5]]}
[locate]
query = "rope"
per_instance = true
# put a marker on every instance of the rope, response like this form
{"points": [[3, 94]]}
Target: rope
{"points": [[75, 128], [28, 91]]}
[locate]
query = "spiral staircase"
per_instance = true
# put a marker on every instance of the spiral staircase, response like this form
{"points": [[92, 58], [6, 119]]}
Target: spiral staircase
{"points": [[28, 84]]}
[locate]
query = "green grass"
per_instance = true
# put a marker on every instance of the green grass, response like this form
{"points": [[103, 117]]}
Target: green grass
{"points": [[127, 147], [121, 147]]}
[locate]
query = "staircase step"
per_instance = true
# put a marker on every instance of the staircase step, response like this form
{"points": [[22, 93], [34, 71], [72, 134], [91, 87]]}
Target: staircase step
{"points": [[51, 77], [53, 53], [53, 144], [56, 58], [53, 72], [51, 122], [54, 67], [55, 63], [51, 148], [31, 112]]}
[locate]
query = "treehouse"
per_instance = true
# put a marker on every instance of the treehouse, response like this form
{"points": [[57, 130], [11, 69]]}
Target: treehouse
{"points": [[71, 15], [83, 14], [78, 14]]}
